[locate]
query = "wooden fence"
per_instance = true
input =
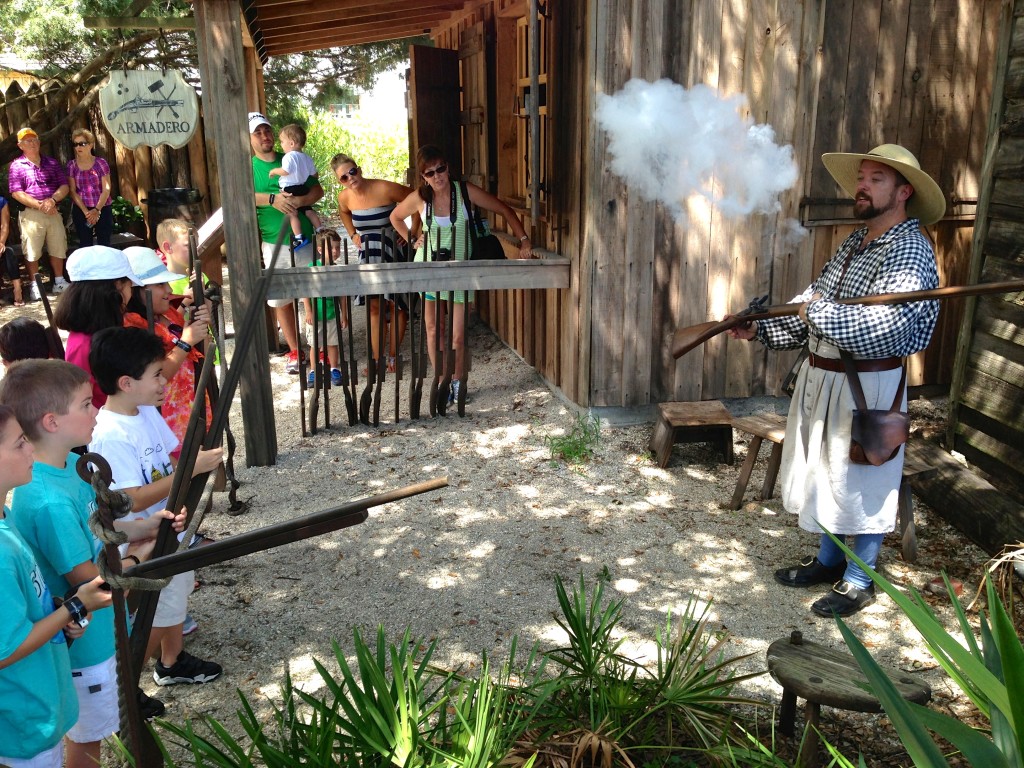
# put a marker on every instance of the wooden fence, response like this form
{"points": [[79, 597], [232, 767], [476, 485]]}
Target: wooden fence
{"points": [[133, 172]]}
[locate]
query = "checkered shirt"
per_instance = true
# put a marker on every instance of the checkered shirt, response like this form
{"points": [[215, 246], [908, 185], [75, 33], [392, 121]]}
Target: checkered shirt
{"points": [[89, 184], [39, 181], [900, 260]]}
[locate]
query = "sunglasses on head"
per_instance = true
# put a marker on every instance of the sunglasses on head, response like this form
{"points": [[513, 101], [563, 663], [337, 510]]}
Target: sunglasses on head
{"points": [[430, 174], [352, 173], [81, 143]]}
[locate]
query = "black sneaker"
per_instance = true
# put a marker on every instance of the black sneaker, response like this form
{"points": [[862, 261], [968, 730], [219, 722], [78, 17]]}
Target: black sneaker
{"points": [[187, 669], [844, 600], [810, 572], [150, 707]]}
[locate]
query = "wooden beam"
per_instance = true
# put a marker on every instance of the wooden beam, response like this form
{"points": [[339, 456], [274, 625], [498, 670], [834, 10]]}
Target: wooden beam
{"points": [[359, 6], [316, 21], [280, 49], [316, 39], [139, 22], [417, 277], [222, 73], [302, 8]]}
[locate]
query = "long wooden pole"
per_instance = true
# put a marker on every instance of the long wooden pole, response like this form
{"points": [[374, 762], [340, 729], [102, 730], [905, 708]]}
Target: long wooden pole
{"points": [[692, 336]]}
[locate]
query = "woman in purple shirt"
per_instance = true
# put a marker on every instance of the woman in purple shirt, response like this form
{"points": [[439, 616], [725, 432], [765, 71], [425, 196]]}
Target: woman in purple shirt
{"points": [[89, 181]]}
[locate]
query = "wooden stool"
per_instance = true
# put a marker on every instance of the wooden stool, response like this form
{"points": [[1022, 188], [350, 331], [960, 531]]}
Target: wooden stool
{"points": [[913, 469], [702, 422], [821, 675], [763, 426]]}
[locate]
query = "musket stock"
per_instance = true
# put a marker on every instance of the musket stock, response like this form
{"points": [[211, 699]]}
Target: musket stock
{"points": [[685, 339]]}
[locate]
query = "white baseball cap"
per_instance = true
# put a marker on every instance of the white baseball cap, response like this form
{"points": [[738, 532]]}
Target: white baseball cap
{"points": [[99, 262], [256, 119], [148, 267]]}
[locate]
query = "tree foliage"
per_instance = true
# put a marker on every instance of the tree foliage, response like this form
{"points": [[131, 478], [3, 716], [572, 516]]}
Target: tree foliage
{"points": [[54, 35]]}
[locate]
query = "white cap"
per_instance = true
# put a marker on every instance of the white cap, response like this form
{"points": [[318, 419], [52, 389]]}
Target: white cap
{"points": [[99, 262], [148, 267], [256, 119]]}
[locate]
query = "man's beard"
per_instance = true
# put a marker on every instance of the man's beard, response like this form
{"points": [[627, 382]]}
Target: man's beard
{"points": [[870, 211]]}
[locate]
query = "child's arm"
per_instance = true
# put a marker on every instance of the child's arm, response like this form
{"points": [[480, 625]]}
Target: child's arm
{"points": [[307, 307], [278, 172], [145, 496], [92, 596]]}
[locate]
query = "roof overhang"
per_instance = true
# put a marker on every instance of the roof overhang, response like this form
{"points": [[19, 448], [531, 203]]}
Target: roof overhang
{"points": [[281, 27]]}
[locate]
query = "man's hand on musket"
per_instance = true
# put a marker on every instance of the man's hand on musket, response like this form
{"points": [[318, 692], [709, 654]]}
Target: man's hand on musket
{"points": [[207, 461], [744, 331], [802, 312]]}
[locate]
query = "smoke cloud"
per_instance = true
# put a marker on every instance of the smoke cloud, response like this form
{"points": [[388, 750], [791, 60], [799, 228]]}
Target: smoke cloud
{"points": [[671, 144]]}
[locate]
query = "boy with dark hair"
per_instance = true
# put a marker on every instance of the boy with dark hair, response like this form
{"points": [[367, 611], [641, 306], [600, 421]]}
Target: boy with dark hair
{"points": [[54, 401], [23, 339], [137, 443]]}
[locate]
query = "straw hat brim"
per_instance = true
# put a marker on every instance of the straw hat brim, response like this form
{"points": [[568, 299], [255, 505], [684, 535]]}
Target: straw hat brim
{"points": [[927, 203]]}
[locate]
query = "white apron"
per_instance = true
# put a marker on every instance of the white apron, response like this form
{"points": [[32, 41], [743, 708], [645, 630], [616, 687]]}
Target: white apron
{"points": [[819, 483]]}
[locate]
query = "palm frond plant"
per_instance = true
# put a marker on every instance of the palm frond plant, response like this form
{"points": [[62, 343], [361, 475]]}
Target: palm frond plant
{"points": [[986, 673]]}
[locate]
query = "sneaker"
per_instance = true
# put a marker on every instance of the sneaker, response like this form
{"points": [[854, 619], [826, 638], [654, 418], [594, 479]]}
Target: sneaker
{"points": [[150, 707], [59, 285], [299, 242], [33, 292], [311, 379], [190, 625], [187, 669], [453, 393], [809, 572], [844, 600], [336, 379], [292, 366]]}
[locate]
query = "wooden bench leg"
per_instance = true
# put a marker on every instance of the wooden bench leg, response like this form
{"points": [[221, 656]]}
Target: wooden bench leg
{"points": [[661, 441], [908, 531], [771, 474], [808, 757], [748, 467], [787, 713]]}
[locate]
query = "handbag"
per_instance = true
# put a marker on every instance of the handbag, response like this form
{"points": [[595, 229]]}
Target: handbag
{"points": [[875, 435], [485, 245]]}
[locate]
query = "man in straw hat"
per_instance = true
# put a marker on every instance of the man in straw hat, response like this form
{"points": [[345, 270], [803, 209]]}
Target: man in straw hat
{"points": [[39, 184], [890, 254]]}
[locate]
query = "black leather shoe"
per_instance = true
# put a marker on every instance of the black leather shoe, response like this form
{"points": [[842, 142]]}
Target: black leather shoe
{"points": [[844, 600], [809, 573]]}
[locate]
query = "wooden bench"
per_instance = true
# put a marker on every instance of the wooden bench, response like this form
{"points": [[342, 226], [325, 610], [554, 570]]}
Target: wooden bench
{"points": [[772, 427], [706, 421], [764, 426], [821, 675]]}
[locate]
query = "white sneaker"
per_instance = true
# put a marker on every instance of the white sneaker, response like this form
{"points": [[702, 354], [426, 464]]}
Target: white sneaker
{"points": [[59, 285], [33, 291]]}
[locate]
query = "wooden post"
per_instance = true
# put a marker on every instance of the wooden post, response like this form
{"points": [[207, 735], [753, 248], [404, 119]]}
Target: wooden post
{"points": [[219, 35]]}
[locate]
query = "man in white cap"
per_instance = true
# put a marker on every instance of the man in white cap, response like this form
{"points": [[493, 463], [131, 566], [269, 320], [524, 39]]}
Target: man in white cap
{"points": [[272, 205], [39, 183], [890, 254]]}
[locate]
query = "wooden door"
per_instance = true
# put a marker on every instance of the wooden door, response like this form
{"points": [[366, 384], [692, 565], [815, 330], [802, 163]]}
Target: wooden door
{"points": [[473, 56], [434, 106]]}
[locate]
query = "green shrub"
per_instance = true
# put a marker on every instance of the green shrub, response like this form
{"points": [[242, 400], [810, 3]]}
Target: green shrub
{"points": [[578, 444]]}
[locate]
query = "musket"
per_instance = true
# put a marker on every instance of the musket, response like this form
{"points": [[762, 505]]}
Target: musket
{"points": [[53, 335], [692, 336]]}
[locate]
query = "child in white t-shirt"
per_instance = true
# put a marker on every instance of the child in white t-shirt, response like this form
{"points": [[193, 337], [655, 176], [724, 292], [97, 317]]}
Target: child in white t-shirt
{"points": [[296, 169], [135, 440]]}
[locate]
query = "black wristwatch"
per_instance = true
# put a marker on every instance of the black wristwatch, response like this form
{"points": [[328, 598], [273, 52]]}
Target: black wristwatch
{"points": [[272, 196], [79, 613]]}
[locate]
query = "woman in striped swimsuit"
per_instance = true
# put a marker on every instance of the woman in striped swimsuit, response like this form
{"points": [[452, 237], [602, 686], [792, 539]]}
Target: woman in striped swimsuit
{"points": [[365, 206]]}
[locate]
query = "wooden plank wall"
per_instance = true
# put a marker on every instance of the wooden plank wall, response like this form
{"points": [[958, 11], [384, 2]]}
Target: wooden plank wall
{"points": [[987, 415], [827, 75], [133, 172]]}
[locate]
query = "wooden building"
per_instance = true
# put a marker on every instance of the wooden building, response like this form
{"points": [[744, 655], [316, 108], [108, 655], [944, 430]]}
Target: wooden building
{"points": [[510, 89], [987, 418]]}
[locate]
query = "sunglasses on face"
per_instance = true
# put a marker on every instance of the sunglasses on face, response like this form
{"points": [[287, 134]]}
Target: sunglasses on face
{"points": [[351, 174], [81, 143], [429, 174]]}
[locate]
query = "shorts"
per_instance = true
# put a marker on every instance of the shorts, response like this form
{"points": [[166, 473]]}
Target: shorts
{"points": [[299, 190], [282, 261], [173, 603], [332, 333], [51, 758], [38, 228], [96, 687]]}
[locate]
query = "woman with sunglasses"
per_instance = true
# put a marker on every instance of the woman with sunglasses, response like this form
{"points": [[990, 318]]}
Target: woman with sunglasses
{"points": [[364, 206], [89, 182], [445, 215]]}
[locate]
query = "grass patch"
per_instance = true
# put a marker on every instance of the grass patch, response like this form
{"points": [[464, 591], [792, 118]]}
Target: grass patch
{"points": [[578, 444]]}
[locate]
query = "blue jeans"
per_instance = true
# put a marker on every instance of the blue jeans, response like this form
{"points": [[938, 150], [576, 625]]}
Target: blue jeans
{"points": [[866, 546]]}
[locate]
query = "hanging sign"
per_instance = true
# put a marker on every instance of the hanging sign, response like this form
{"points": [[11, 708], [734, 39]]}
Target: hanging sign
{"points": [[149, 107]]}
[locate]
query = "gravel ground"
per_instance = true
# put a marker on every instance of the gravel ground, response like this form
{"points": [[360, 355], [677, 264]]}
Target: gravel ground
{"points": [[473, 564]]}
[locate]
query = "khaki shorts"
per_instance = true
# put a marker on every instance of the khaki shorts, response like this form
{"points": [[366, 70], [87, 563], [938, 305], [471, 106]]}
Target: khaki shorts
{"points": [[332, 333], [96, 687], [283, 260], [172, 605], [38, 228]]}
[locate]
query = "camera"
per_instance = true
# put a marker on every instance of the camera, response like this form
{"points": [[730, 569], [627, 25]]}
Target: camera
{"points": [[443, 254]]}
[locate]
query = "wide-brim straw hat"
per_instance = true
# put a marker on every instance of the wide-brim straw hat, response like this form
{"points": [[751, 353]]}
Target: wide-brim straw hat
{"points": [[927, 203]]}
